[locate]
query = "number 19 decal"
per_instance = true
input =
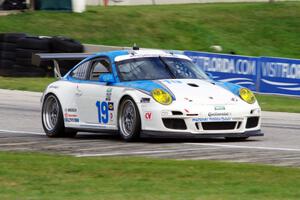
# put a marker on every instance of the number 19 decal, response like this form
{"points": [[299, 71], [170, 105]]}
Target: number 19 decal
{"points": [[103, 115]]}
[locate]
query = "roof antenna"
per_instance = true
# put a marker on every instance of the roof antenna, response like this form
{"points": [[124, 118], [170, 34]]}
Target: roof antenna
{"points": [[135, 47]]}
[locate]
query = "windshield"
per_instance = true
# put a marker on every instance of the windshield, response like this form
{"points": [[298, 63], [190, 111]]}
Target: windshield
{"points": [[154, 68]]}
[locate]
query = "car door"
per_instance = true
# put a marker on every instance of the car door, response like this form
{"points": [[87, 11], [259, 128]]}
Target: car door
{"points": [[96, 108]]}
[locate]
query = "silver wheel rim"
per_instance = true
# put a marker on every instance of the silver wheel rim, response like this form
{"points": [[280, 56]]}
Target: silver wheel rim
{"points": [[127, 119], [50, 113]]}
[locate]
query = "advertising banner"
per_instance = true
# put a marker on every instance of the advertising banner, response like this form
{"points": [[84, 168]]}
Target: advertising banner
{"points": [[279, 76], [260, 74], [241, 70]]}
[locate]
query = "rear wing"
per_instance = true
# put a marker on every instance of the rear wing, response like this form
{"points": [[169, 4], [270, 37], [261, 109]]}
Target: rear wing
{"points": [[55, 57]]}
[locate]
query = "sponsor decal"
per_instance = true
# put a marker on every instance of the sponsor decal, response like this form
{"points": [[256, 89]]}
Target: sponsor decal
{"points": [[110, 106], [148, 115], [111, 116], [145, 100], [108, 94], [72, 110], [219, 107], [67, 115], [71, 119], [212, 119], [219, 114]]}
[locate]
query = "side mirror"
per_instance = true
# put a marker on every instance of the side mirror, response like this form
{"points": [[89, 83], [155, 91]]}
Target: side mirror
{"points": [[107, 78]]}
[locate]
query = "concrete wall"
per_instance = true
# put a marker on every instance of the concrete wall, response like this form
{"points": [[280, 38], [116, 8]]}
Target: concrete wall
{"points": [[151, 2]]}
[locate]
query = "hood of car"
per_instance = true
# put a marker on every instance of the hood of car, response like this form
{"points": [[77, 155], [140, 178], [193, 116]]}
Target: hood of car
{"points": [[188, 90], [199, 91]]}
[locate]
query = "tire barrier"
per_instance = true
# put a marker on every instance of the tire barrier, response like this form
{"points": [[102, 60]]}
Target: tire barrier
{"points": [[27, 46], [14, 5], [16, 50], [8, 49]]}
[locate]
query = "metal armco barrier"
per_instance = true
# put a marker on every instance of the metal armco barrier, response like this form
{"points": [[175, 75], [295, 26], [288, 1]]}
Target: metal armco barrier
{"points": [[260, 74]]}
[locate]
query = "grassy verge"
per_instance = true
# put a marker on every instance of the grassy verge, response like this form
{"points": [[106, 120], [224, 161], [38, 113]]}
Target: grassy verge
{"points": [[36, 176], [27, 84], [267, 102], [245, 28], [279, 103]]}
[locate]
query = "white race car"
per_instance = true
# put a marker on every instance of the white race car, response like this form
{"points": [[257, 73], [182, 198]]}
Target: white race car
{"points": [[147, 91]]}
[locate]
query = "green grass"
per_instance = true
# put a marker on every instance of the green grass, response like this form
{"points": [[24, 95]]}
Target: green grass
{"points": [[245, 28], [279, 103], [27, 84], [35, 176]]}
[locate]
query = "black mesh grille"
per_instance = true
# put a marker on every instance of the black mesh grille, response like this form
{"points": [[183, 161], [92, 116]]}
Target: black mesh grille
{"points": [[218, 125], [174, 123], [252, 122]]}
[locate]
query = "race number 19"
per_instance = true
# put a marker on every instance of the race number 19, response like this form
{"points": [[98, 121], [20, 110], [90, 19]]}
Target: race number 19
{"points": [[102, 112]]}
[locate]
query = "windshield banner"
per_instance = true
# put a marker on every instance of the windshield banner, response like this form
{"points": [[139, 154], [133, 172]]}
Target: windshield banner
{"points": [[260, 74]]}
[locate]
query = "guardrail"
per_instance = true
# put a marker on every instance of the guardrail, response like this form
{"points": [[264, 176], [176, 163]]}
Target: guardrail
{"points": [[260, 74]]}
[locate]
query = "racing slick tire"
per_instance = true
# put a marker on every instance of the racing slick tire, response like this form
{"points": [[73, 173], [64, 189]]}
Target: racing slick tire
{"points": [[52, 118], [129, 120]]}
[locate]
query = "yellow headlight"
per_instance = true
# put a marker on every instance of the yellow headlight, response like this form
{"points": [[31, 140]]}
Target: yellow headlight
{"points": [[247, 95], [161, 96]]}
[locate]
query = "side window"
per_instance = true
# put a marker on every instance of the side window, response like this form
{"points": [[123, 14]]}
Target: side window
{"points": [[99, 67], [81, 71]]}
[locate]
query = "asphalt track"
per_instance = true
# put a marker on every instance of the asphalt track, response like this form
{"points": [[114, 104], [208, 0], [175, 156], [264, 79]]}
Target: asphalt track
{"points": [[21, 130]]}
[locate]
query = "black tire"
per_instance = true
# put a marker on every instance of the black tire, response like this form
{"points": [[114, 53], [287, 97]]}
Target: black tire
{"points": [[129, 111], [11, 37], [27, 53], [14, 5], [21, 71], [6, 63], [5, 46], [2, 37], [24, 62], [27, 62], [53, 122], [61, 44], [8, 55], [34, 43], [236, 139]]}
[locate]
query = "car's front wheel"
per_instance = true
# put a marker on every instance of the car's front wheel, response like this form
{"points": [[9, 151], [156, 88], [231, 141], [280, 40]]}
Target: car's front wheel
{"points": [[129, 120], [52, 118]]}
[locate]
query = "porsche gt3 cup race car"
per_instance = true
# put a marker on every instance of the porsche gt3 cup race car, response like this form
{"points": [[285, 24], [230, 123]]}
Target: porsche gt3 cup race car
{"points": [[147, 91]]}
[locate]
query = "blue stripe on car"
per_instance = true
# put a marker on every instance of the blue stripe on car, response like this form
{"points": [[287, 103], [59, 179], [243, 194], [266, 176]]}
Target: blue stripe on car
{"points": [[144, 85], [235, 89]]}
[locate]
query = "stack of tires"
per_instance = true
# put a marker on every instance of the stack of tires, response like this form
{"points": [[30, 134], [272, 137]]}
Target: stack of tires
{"points": [[25, 48], [8, 51], [61, 44], [16, 50], [14, 5]]}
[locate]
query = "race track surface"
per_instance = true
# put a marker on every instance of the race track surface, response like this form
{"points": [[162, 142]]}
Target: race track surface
{"points": [[21, 130]]}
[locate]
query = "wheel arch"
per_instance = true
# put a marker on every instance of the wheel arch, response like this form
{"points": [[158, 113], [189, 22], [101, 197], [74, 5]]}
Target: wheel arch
{"points": [[119, 107]]}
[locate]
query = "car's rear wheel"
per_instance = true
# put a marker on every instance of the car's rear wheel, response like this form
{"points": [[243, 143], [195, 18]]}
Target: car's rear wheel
{"points": [[129, 120], [52, 118]]}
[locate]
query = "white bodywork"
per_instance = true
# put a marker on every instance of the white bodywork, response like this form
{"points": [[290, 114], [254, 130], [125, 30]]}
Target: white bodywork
{"points": [[206, 103]]}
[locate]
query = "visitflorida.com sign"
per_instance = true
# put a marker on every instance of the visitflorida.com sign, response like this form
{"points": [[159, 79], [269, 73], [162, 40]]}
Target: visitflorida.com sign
{"points": [[260, 74]]}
